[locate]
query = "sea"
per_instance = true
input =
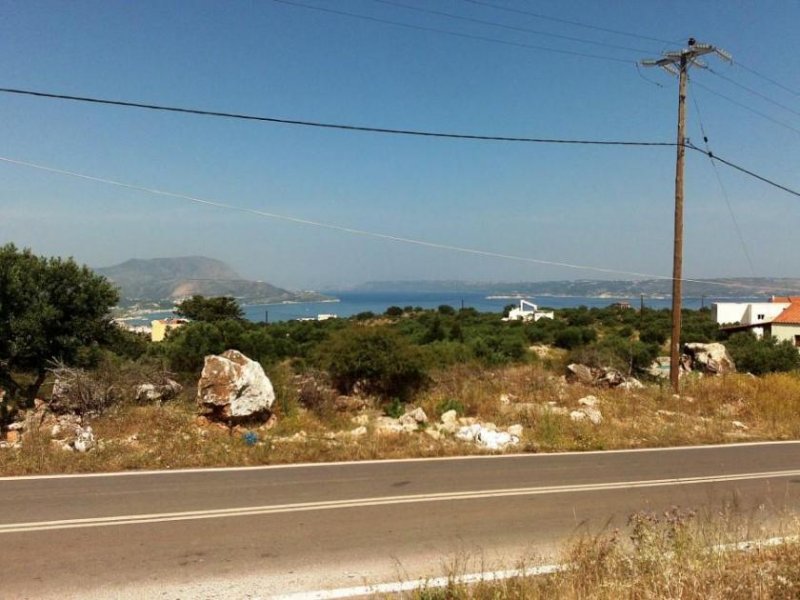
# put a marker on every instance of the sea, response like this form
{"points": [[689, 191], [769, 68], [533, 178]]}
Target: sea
{"points": [[350, 303]]}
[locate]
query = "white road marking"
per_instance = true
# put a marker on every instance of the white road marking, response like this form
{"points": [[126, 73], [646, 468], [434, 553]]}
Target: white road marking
{"points": [[395, 460], [396, 587], [378, 501], [418, 584]]}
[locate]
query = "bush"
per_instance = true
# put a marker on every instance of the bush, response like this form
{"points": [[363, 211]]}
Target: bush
{"points": [[375, 358], [766, 355], [572, 337], [394, 311]]}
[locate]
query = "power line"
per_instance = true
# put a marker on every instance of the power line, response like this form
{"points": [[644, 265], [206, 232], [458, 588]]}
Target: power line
{"points": [[754, 92], [746, 107], [352, 230], [383, 130], [452, 33], [724, 192], [568, 22], [506, 26], [359, 128], [743, 170], [767, 79]]}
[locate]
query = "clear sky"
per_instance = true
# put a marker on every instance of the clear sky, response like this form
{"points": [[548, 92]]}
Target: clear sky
{"points": [[600, 206]]}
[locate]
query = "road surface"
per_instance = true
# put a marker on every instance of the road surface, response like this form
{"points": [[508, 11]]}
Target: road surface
{"points": [[258, 532]]}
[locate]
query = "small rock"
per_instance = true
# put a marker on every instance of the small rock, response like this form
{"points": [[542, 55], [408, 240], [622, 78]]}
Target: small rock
{"points": [[433, 433], [739, 425], [358, 431], [515, 430], [591, 401], [418, 415], [595, 416], [505, 399], [85, 440], [360, 420], [577, 415], [449, 417]]}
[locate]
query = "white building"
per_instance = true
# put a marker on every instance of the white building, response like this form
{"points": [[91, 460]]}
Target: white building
{"points": [[528, 311], [778, 318]]}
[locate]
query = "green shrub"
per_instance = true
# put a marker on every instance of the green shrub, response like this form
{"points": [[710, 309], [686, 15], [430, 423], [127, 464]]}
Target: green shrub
{"points": [[766, 355], [377, 358]]}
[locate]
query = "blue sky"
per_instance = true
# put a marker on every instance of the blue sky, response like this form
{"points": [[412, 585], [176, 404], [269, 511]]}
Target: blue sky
{"points": [[604, 207]]}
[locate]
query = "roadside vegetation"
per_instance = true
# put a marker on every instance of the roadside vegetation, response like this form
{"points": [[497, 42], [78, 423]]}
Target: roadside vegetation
{"points": [[660, 556], [335, 379]]}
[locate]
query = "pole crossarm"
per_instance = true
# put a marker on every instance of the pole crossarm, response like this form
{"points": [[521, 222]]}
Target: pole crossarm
{"points": [[677, 62]]}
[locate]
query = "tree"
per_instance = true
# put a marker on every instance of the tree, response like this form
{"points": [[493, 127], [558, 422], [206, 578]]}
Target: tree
{"points": [[50, 309], [210, 310], [376, 358], [760, 356]]}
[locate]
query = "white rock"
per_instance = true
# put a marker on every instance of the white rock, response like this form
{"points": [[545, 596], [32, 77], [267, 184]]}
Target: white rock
{"points": [[591, 401], [234, 386], [505, 399], [515, 430], [739, 425], [450, 417], [418, 415], [85, 440], [433, 433], [358, 431], [384, 425], [594, 415], [360, 420], [577, 415]]}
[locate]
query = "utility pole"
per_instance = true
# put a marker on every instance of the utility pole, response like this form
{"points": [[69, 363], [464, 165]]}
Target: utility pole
{"points": [[678, 63]]}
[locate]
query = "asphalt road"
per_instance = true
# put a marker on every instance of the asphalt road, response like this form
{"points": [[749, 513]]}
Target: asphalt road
{"points": [[256, 532]]}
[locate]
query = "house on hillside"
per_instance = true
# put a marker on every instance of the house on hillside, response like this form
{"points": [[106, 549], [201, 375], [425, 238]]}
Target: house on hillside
{"points": [[528, 311], [160, 327], [778, 318]]}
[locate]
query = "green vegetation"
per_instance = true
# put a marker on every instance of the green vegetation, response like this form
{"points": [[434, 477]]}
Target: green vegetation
{"points": [[50, 309], [200, 308]]}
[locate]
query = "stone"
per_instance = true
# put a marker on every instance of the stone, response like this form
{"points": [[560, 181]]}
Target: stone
{"points": [[84, 440], [358, 431], [388, 425], [505, 399], [587, 412], [449, 417], [577, 415], [232, 387], [433, 434], [710, 358], [739, 425], [589, 401], [150, 392], [580, 373], [631, 383], [418, 415], [515, 430], [360, 420]]}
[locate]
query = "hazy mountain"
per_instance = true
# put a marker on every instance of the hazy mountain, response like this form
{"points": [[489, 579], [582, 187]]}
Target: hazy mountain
{"points": [[717, 288], [161, 279]]}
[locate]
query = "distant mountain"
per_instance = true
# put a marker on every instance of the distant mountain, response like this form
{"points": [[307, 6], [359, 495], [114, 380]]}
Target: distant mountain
{"points": [[169, 279], [594, 288]]}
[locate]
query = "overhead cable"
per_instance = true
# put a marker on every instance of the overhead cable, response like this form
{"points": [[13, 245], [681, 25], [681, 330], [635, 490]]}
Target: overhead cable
{"points": [[360, 128], [468, 36], [746, 107], [723, 190], [754, 92], [350, 230], [744, 170], [449, 15], [767, 79], [568, 22]]}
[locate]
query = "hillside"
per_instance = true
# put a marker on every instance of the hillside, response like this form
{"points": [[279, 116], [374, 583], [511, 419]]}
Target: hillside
{"points": [[167, 279], [595, 288]]}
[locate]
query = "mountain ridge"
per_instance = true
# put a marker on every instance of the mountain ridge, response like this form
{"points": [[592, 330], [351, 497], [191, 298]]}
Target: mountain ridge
{"points": [[718, 287], [173, 278]]}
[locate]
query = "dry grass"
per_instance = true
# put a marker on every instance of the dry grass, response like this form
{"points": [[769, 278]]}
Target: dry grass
{"points": [[161, 437], [667, 556]]}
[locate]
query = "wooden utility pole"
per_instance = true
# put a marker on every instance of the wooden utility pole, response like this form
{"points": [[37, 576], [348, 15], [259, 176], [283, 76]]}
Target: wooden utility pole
{"points": [[677, 249], [677, 63]]}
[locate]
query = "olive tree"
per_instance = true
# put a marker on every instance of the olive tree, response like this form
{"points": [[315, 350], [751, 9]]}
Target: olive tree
{"points": [[50, 309]]}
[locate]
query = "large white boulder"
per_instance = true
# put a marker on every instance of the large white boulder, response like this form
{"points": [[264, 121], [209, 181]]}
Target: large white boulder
{"points": [[710, 358], [234, 387]]}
